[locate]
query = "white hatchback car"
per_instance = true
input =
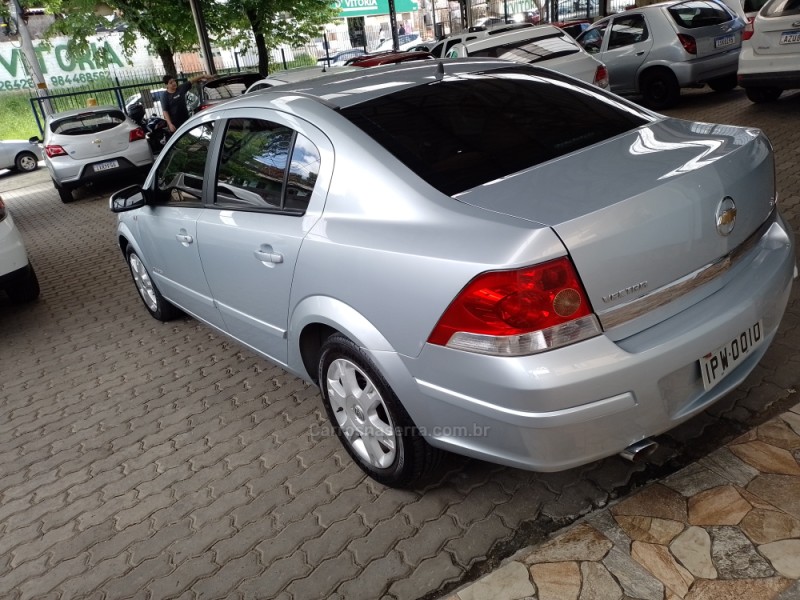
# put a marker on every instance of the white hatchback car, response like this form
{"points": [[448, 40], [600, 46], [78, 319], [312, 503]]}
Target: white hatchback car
{"points": [[17, 277], [89, 144], [544, 45], [770, 59]]}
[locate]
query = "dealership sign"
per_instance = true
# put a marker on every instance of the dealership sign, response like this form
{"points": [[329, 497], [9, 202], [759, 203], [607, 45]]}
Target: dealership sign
{"points": [[365, 8]]}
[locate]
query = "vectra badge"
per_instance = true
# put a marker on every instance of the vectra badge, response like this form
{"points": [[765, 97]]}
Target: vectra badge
{"points": [[726, 216]]}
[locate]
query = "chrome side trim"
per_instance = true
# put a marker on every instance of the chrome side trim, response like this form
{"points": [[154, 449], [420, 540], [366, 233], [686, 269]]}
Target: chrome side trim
{"points": [[629, 311]]}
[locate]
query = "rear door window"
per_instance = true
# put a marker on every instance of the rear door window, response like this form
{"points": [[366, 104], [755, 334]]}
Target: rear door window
{"points": [[463, 132], [88, 123], [626, 31], [696, 14], [782, 8]]}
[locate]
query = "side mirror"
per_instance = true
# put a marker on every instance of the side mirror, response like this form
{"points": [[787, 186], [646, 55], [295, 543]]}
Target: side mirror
{"points": [[126, 199]]}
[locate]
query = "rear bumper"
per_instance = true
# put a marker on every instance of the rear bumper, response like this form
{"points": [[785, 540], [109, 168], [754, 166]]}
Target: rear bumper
{"points": [[67, 172], [571, 406], [703, 69], [787, 80]]}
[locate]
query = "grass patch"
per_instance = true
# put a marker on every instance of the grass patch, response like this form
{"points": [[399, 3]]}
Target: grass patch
{"points": [[16, 116]]}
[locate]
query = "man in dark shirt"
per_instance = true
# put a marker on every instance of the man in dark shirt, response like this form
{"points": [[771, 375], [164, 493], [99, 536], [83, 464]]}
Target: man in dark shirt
{"points": [[173, 100]]}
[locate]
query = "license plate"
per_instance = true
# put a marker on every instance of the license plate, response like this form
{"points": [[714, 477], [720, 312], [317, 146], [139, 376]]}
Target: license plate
{"points": [[790, 37], [105, 166], [715, 365], [726, 40]]}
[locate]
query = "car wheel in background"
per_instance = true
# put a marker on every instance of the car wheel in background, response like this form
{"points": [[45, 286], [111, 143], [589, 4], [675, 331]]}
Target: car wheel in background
{"points": [[723, 84], [368, 418], [155, 303], [64, 193], [660, 88], [26, 162], [765, 94], [26, 289]]}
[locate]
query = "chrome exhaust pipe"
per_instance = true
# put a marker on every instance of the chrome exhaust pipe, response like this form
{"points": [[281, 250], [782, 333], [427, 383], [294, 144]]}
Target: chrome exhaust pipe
{"points": [[639, 450]]}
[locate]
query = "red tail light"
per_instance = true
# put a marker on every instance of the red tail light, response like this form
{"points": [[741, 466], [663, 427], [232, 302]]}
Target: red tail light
{"points": [[52, 151], [136, 134], [202, 107], [514, 313], [688, 42], [601, 77], [748, 29]]}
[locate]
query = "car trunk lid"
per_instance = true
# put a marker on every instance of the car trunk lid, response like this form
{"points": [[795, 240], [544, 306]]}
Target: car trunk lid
{"points": [[777, 36], [639, 211], [92, 134]]}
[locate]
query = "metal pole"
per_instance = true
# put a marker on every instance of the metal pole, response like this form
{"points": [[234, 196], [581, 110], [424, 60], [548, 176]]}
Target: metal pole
{"points": [[202, 36], [30, 57], [393, 26]]}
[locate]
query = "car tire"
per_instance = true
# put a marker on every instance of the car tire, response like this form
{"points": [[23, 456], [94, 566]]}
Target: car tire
{"points": [[369, 420], [26, 289], [25, 162], [723, 84], [660, 88], [158, 307], [765, 94], [65, 194]]}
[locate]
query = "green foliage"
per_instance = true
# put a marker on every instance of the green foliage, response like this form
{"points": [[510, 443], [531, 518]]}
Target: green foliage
{"points": [[16, 117]]}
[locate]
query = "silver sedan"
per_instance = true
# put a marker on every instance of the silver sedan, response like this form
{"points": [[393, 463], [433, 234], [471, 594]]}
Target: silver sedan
{"points": [[473, 255], [23, 156]]}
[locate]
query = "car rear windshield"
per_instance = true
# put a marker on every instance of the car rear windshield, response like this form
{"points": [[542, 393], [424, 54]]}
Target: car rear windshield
{"points": [[698, 13], [782, 8], [532, 51], [462, 132], [88, 123]]}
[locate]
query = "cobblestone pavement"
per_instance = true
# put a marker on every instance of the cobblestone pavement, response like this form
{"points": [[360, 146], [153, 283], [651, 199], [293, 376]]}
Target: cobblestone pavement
{"points": [[149, 460]]}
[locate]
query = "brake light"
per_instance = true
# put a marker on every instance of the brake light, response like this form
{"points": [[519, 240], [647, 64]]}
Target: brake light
{"points": [[688, 42], [52, 151], [748, 29], [136, 134], [519, 312], [202, 107], [601, 77]]}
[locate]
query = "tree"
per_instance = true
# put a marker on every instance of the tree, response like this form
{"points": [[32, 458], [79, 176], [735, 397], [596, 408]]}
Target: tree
{"points": [[275, 22], [166, 25]]}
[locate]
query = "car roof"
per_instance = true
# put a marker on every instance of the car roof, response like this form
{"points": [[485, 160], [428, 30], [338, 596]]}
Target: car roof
{"points": [[344, 89], [530, 33]]}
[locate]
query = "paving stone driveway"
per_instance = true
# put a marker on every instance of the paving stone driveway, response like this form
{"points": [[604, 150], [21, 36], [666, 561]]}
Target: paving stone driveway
{"points": [[149, 460]]}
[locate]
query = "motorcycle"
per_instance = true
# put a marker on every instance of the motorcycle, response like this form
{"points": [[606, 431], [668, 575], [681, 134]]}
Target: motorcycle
{"points": [[155, 128]]}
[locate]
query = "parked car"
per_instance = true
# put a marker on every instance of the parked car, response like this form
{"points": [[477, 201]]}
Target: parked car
{"points": [[150, 100], [656, 50], [437, 247], [89, 144], [390, 57], [20, 155], [574, 27], [442, 48], [339, 59], [770, 59], [405, 42], [17, 277], [293, 76], [208, 92], [543, 45]]}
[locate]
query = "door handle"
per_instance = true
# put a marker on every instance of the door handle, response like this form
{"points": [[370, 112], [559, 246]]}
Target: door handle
{"points": [[184, 238], [267, 255], [640, 53]]}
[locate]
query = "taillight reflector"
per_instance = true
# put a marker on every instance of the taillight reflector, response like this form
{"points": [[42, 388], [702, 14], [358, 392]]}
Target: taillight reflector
{"points": [[518, 312], [601, 77], [55, 150], [688, 42], [748, 29], [136, 134]]}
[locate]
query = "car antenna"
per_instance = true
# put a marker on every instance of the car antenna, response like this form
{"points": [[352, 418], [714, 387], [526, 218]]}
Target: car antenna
{"points": [[439, 74]]}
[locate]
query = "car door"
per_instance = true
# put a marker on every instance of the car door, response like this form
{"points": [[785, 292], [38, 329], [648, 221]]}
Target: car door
{"points": [[269, 190], [6, 156], [168, 226], [627, 43]]}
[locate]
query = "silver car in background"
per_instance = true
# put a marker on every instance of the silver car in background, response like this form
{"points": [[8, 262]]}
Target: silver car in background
{"points": [[23, 156], [435, 245], [89, 144], [656, 50]]}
